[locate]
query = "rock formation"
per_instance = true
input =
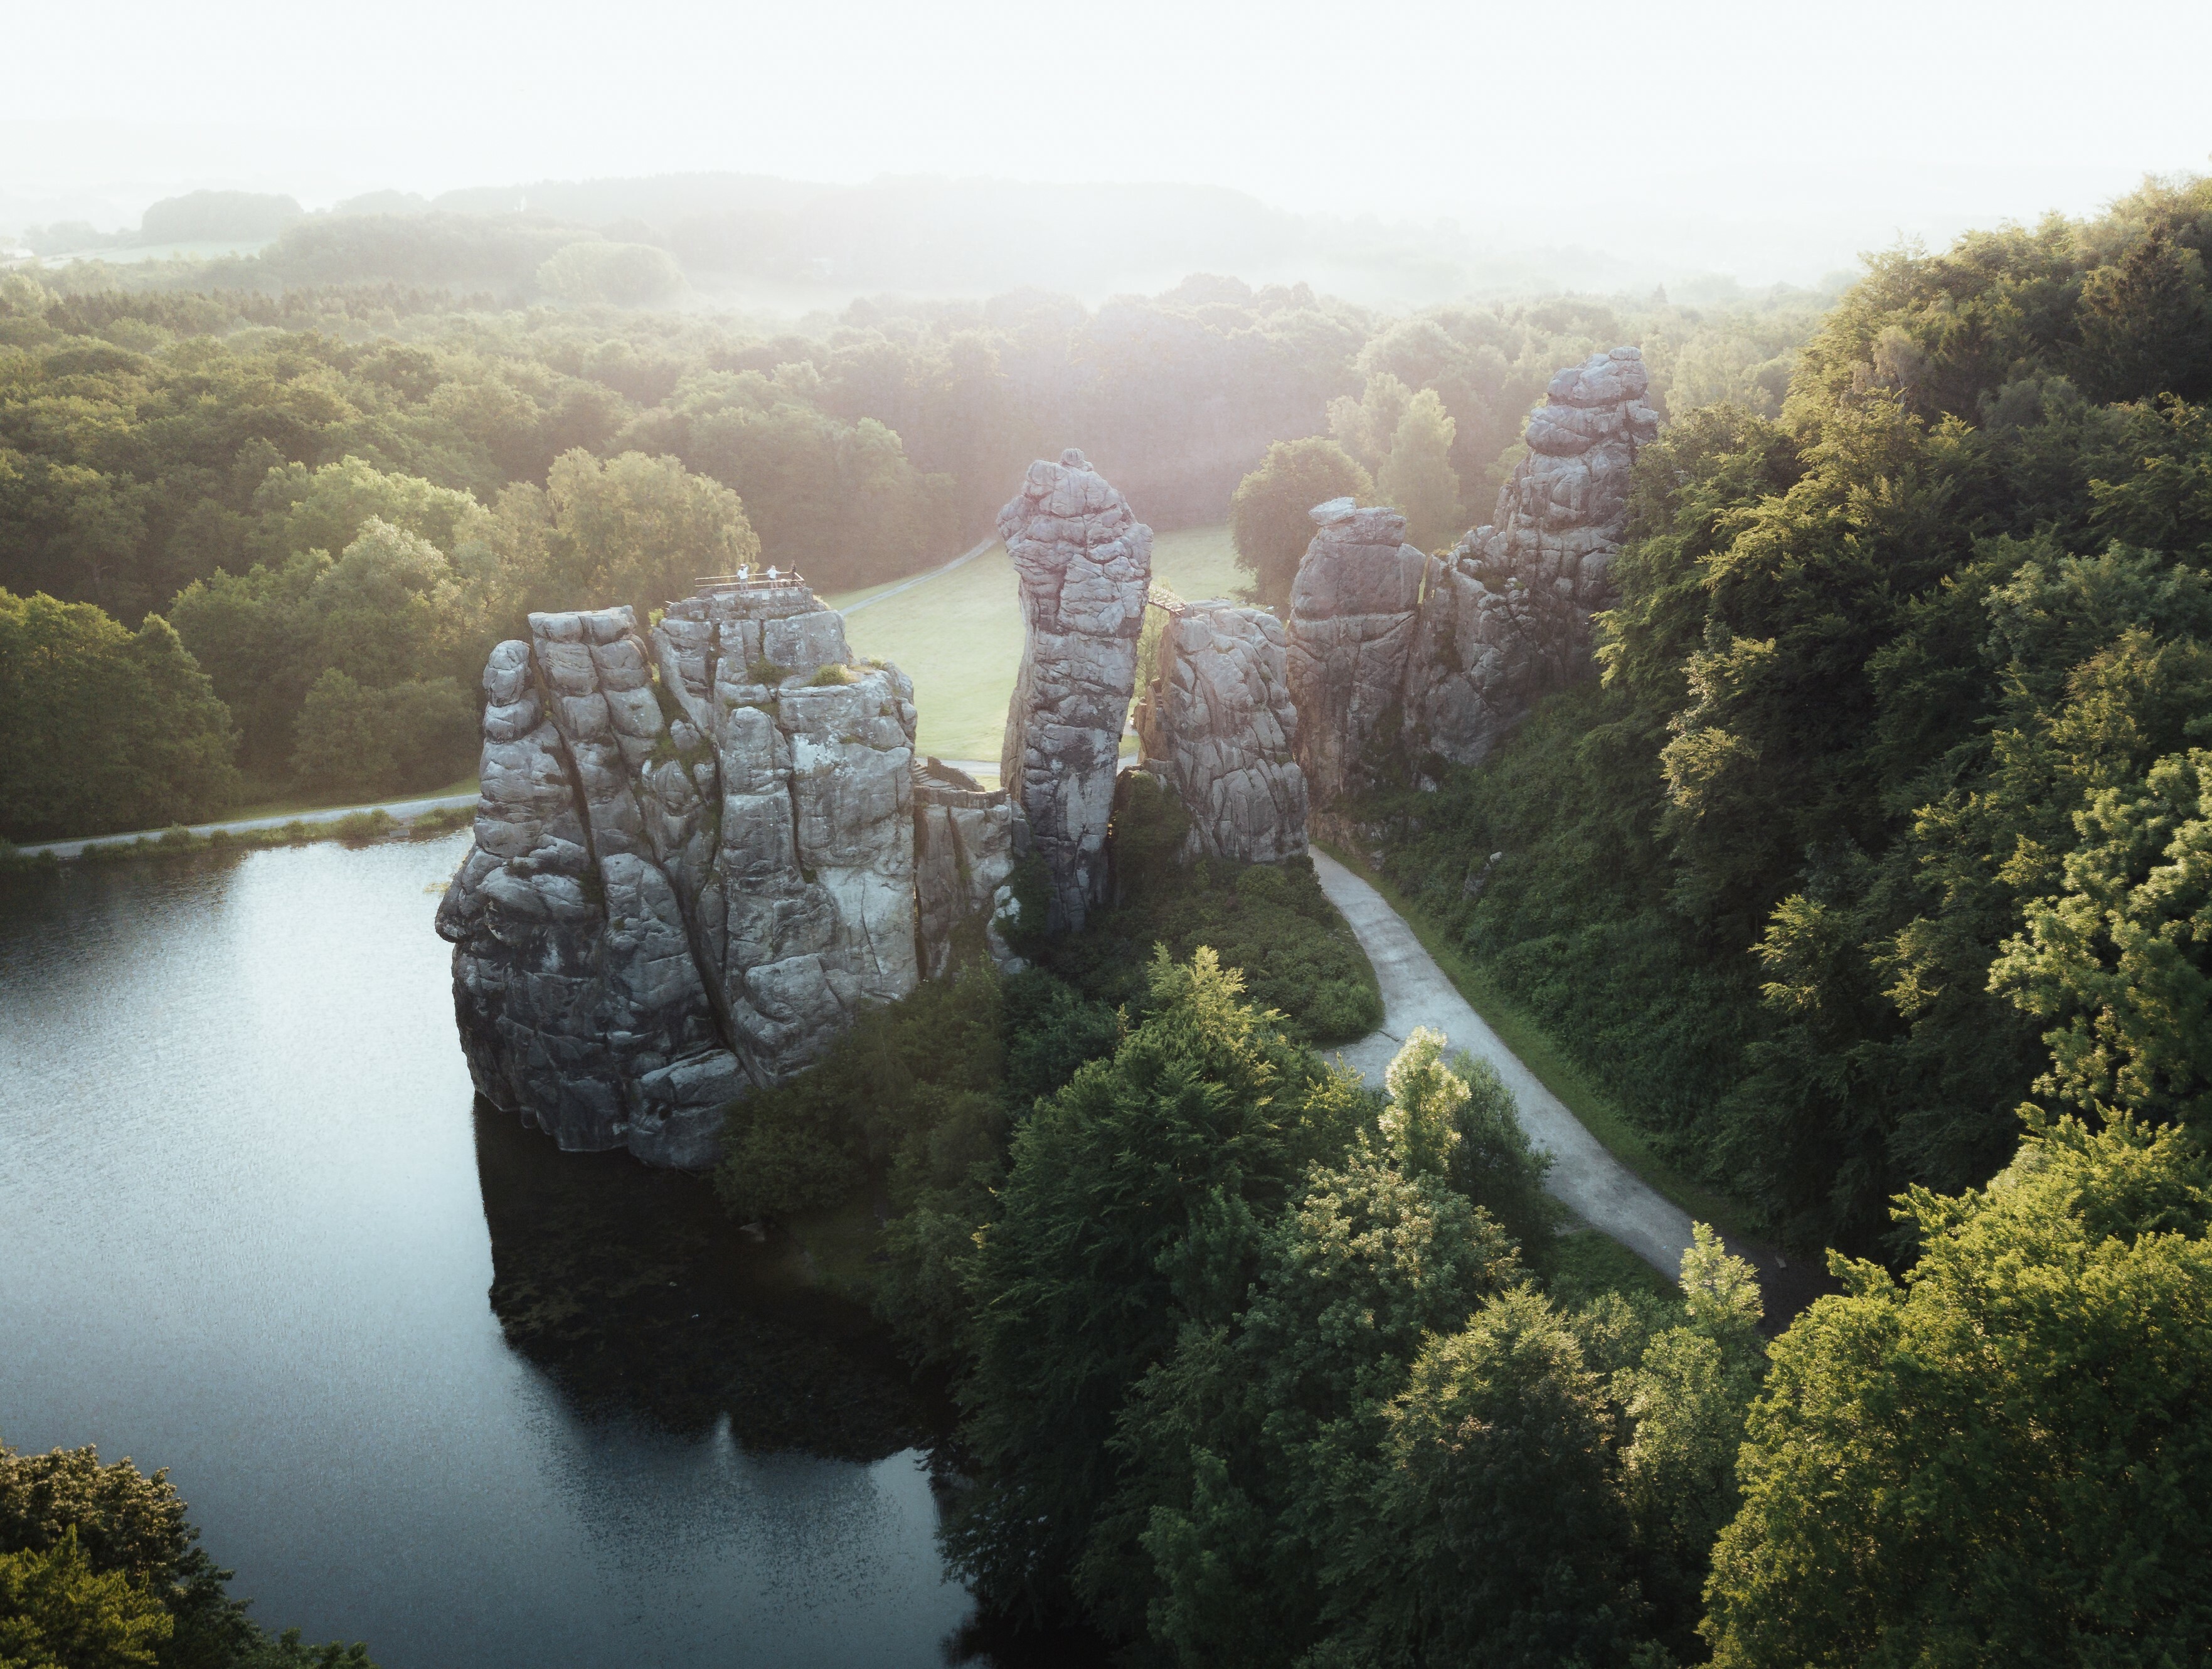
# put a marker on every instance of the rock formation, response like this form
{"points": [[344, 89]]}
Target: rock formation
{"points": [[683, 887], [967, 839], [1086, 563], [1218, 725], [1353, 620], [1505, 617]]}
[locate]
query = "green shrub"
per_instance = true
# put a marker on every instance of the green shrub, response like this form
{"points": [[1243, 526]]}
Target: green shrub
{"points": [[441, 820], [368, 825], [830, 675], [1273, 921]]}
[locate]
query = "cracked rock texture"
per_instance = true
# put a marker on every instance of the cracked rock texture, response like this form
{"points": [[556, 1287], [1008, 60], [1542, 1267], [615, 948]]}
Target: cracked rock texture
{"points": [[683, 887], [967, 839], [1085, 564], [1353, 618], [1219, 727], [1506, 617]]}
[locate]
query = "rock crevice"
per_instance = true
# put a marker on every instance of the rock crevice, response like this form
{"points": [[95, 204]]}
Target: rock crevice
{"points": [[684, 885]]}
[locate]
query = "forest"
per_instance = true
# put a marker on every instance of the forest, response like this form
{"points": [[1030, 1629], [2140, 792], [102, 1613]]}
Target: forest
{"points": [[1868, 872], [1879, 823], [1868, 875], [216, 459]]}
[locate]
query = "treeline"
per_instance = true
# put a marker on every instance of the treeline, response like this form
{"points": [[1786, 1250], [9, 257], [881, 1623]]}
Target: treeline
{"points": [[157, 448], [1886, 818]]}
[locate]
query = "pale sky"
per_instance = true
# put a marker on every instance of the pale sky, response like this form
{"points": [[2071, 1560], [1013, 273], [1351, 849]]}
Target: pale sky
{"points": [[1771, 134]]}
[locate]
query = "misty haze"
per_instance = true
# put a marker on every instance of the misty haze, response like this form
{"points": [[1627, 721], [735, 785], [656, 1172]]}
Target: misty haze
{"points": [[1161, 836]]}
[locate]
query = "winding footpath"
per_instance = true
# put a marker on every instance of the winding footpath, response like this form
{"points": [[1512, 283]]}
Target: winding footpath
{"points": [[1594, 1185]]}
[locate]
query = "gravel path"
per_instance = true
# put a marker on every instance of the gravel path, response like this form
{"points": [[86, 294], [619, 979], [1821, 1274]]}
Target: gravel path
{"points": [[402, 810], [1597, 1186]]}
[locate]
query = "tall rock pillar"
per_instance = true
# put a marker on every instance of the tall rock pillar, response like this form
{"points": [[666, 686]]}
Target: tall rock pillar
{"points": [[1506, 617], [1353, 611], [1086, 563]]}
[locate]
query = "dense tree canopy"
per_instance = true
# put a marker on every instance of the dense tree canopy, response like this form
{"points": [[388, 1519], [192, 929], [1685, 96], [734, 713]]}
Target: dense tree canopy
{"points": [[2006, 1457], [1900, 698], [106, 728]]}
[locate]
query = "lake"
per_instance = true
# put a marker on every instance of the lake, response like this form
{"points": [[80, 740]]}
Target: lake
{"points": [[424, 1380]]}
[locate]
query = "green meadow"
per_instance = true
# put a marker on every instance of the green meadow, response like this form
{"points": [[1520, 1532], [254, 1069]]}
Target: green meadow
{"points": [[959, 636]]}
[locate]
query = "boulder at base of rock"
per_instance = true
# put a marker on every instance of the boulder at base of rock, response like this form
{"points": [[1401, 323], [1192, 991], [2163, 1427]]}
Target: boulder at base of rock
{"points": [[1218, 727], [1086, 563], [1350, 635]]}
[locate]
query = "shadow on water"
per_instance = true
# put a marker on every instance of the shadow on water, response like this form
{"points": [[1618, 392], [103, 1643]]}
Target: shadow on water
{"points": [[631, 1289], [633, 1292]]}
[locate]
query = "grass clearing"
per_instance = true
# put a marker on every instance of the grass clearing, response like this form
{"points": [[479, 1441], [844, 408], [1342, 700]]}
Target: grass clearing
{"points": [[1198, 562], [1599, 1113], [958, 636]]}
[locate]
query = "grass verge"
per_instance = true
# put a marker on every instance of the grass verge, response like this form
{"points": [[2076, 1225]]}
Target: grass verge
{"points": [[283, 804], [1585, 1263], [372, 823], [1558, 1072]]}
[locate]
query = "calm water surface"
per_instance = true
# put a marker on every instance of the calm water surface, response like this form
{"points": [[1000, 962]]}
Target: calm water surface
{"points": [[248, 1228]]}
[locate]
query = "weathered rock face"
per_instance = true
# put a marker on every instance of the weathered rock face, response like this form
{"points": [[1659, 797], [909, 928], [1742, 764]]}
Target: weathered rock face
{"points": [[1219, 727], [683, 889], [967, 839], [1354, 609], [1086, 563], [1506, 617]]}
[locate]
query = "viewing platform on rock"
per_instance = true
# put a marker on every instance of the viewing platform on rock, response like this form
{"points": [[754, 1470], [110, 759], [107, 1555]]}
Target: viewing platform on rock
{"points": [[748, 594], [750, 579]]}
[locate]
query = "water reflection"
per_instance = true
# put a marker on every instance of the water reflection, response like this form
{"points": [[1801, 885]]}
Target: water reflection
{"points": [[637, 1295], [244, 1213]]}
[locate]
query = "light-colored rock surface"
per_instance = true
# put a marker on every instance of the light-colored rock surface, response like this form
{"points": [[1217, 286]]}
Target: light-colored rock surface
{"points": [[1597, 1186], [1218, 726], [685, 887], [1085, 562], [1353, 617], [967, 839], [1506, 617], [581, 1002]]}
